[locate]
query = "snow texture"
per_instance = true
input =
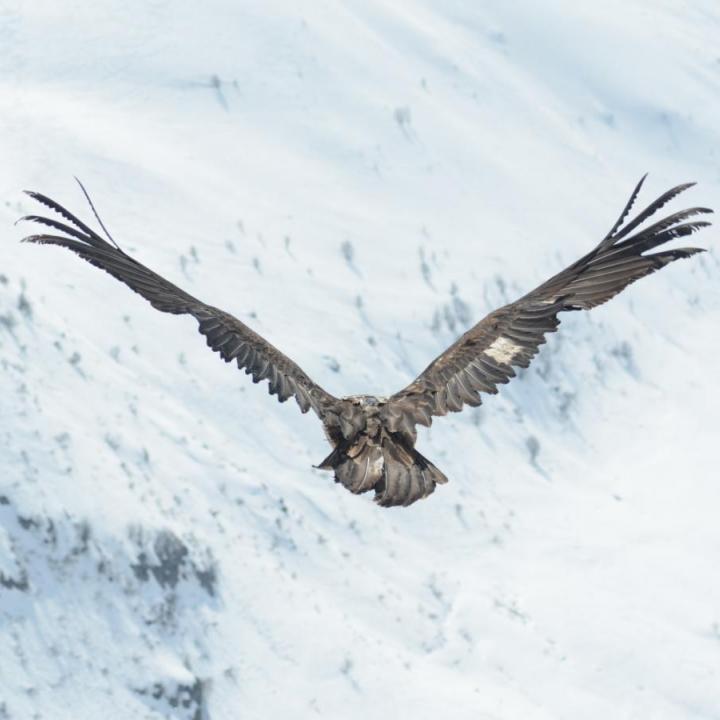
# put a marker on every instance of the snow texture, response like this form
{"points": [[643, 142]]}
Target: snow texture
{"points": [[359, 181]]}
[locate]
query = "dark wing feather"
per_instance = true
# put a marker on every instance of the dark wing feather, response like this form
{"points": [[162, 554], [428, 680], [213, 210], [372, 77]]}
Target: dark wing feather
{"points": [[224, 333], [484, 357]]}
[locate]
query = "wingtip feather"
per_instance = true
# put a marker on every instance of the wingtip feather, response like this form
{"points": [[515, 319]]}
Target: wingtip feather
{"points": [[34, 239]]}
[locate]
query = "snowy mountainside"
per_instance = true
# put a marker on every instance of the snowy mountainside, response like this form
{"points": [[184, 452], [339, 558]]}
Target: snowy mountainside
{"points": [[359, 182]]}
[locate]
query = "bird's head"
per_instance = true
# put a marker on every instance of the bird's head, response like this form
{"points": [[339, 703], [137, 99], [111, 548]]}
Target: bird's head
{"points": [[366, 400]]}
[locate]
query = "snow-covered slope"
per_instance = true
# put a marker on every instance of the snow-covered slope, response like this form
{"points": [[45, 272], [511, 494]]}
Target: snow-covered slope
{"points": [[359, 181]]}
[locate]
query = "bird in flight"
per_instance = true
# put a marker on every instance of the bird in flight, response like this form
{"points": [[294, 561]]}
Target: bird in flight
{"points": [[373, 438]]}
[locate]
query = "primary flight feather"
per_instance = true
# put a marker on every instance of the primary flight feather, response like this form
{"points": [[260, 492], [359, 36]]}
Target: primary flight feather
{"points": [[373, 439]]}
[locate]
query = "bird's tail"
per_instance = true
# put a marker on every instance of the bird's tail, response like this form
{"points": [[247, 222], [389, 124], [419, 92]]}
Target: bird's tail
{"points": [[397, 472]]}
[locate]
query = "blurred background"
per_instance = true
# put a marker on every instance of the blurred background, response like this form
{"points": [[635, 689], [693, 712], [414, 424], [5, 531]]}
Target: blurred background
{"points": [[360, 181]]}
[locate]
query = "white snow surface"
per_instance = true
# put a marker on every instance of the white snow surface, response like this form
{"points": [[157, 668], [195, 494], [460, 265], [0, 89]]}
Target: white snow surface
{"points": [[359, 181]]}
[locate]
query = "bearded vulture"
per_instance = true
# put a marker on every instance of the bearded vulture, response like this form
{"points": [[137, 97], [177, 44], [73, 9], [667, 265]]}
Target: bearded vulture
{"points": [[373, 438]]}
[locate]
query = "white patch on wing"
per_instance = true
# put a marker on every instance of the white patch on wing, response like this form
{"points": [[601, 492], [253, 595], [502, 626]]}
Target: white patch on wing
{"points": [[503, 350]]}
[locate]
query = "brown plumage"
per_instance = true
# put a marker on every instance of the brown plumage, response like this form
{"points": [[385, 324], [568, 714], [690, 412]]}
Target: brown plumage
{"points": [[373, 439]]}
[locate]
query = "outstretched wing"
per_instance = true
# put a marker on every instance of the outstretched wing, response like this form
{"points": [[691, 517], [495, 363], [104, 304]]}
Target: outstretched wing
{"points": [[509, 337], [224, 333]]}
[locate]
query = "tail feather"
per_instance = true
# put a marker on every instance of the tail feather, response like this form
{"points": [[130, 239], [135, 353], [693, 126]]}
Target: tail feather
{"points": [[358, 471], [397, 472], [405, 484]]}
